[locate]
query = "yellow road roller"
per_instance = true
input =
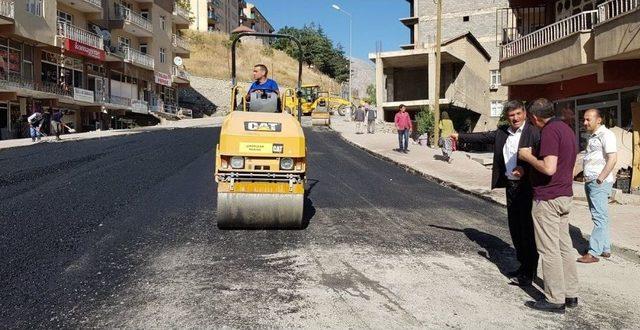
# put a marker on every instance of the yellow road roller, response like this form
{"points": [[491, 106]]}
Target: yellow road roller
{"points": [[260, 158]]}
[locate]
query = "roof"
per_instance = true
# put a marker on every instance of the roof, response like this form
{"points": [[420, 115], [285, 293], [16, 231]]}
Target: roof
{"points": [[242, 28], [469, 36]]}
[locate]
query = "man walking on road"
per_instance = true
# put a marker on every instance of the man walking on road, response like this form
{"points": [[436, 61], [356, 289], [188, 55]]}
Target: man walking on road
{"points": [[404, 127], [552, 181], [599, 160], [359, 118], [514, 175], [371, 115]]}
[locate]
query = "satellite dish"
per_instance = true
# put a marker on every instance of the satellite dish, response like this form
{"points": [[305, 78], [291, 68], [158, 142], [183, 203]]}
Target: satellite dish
{"points": [[177, 60]]}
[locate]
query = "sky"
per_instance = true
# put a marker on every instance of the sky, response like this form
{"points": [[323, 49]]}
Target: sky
{"points": [[373, 20]]}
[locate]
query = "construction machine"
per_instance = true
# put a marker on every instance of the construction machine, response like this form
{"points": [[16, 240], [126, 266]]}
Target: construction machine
{"points": [[261, 157], [312, 97]]}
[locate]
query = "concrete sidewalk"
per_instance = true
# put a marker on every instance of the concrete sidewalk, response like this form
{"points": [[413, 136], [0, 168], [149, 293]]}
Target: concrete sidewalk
{"points": [[470, 176], [184, 123]]}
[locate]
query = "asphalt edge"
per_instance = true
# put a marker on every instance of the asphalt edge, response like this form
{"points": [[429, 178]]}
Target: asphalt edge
{"points": [[626, 253]]}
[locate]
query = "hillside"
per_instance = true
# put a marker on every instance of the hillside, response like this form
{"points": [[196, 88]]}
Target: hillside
{"points": [[211, 58]]}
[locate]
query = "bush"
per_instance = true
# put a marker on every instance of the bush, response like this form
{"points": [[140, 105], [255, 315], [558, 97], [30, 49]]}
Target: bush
{"points": [[425, 122], [267, 51]]}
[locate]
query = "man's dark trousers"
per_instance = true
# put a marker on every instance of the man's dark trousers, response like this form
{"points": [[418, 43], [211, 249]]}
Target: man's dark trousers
{"points": [[519, 203]]}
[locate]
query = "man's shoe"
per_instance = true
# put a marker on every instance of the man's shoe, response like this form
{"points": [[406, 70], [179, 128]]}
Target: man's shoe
{"points": [[545, 306], [606, 254], [571, 302], [521, 280], [587, 259]]}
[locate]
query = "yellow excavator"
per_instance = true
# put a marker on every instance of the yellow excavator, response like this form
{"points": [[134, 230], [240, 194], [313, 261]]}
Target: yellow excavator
{"points": [[321, 105], [261, 158]]}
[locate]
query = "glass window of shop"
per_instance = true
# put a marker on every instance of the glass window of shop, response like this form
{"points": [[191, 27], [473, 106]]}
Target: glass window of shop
{"points": [[69, 74], [16, 60]]}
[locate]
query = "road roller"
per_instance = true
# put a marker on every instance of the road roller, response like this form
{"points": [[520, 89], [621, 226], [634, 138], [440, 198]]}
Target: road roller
{"points": [[321, 115], [261, 165]]}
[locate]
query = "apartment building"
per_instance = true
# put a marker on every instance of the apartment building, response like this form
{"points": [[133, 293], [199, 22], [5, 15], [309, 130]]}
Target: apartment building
{"points": [[581, 54], [104, 63], [471, 89], [252, 18], [216, 15]]}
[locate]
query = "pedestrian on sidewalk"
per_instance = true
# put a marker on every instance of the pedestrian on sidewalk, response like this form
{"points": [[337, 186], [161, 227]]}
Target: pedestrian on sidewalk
{"points": [[56, 123], [446, 142], [552, 181], [514, 175], [372, 115], [598, 164], [404, 127], [359, 118], [35, 124]]}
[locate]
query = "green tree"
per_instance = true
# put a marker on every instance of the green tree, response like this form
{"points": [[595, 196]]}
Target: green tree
{"points": [[317, 50], [371, 94], [425, 122]]}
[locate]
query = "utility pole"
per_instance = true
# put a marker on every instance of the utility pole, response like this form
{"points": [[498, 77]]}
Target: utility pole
{"points": [[436, 101]]}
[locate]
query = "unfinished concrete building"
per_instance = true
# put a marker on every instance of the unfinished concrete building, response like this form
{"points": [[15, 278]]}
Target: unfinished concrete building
{"points": [[470, 80]]}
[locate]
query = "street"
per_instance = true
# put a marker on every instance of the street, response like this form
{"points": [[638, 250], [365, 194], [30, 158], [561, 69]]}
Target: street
{"points": [[120, 232]]}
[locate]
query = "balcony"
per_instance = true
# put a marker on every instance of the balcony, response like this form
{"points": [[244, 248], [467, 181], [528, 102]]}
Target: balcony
{"points": [[72, 32], [181, 16], [133, 22], [7, 11], [140, 106], [616, 36], [559, 51], [137, 58], [181, 46], [85, 6], [179, 75]]}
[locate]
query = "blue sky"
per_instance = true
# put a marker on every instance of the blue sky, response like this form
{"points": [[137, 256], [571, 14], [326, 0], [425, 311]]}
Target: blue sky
{"points": [[373, 20]]}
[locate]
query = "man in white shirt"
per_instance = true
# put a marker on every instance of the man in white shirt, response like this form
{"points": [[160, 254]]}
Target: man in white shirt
{"points": [[512, 174], [599, 161]]}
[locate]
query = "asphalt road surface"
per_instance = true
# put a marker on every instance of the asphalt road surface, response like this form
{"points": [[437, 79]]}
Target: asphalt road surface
{"points": [[120, 232]]}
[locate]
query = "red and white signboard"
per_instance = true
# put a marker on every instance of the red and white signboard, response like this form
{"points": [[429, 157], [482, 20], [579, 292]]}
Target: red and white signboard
{"points": [[84, 50], [163, 79]]}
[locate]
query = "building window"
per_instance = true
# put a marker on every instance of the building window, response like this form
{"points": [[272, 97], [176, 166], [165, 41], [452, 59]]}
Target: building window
{"points": [[465, 18], [145, 13], [162, 55], [65, 18], [27, 61], [144, 48], [496, 80], [36, 7], [163, 23], [496, 108], [124, 42]]}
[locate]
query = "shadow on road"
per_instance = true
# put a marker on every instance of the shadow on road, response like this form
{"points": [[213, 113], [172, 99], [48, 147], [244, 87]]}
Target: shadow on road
{"points": [[309, 209], [498, 252], [580, 243]]}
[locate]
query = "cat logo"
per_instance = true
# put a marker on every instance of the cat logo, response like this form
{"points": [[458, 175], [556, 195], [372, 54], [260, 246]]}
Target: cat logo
{"points": [[262, 126]]}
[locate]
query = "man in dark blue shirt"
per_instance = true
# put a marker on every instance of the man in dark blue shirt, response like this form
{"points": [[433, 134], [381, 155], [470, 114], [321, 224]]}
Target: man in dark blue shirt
{"points": [[260, 81]]}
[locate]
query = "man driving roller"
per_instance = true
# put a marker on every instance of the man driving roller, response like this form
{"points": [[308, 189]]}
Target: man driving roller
{"points": [[260, 81]]}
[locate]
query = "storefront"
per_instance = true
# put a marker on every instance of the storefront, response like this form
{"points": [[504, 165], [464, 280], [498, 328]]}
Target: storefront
{"points": [[615, 106]]}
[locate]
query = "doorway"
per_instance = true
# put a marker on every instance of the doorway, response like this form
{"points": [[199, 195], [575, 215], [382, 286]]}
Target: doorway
{"points": [[611, 117]]}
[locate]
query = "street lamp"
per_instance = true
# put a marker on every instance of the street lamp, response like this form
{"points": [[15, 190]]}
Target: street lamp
{"points": [[336, 7]]}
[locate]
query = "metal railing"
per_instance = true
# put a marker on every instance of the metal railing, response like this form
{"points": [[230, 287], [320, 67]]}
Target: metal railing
{"points": [[134, 56], [551, 33], [179, 11], [16, 80], [180, 73], [7, 8], [179, 42], [614, 8], [82, 36], [140, 106], [132, 17]]}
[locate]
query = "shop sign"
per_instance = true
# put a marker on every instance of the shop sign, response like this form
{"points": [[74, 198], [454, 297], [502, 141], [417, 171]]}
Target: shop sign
{"points": [[83, 95], [84, 50], [163, 79], [139, 106]]}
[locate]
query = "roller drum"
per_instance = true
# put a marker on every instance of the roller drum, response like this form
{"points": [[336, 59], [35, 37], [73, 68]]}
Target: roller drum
{"points": [[260, 211]]}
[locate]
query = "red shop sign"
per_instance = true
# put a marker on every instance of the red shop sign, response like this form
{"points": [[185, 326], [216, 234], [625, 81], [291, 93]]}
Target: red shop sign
{"points": [[84, 50]]}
